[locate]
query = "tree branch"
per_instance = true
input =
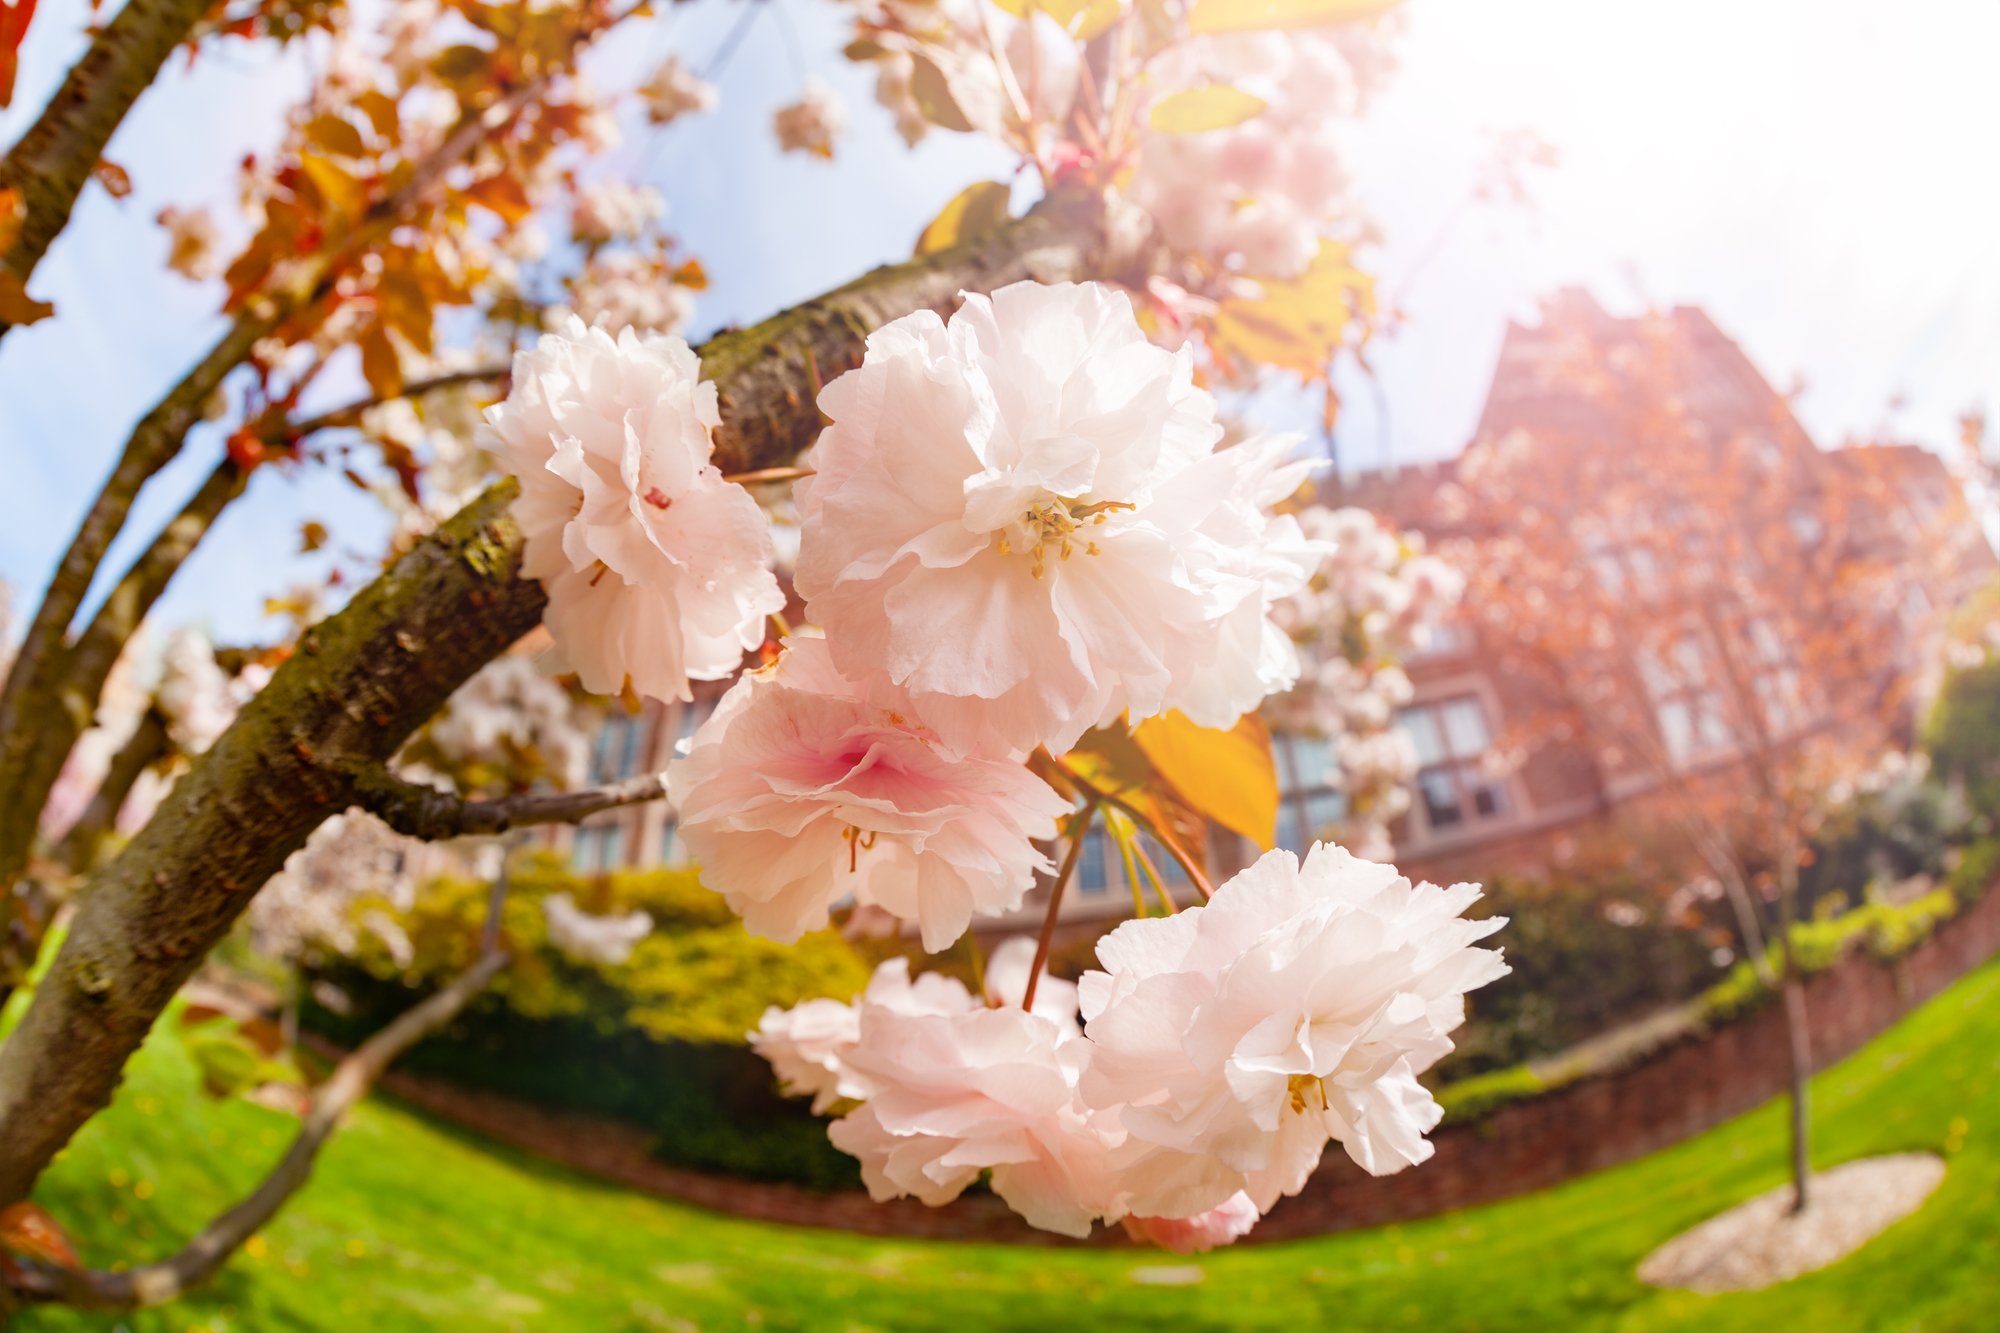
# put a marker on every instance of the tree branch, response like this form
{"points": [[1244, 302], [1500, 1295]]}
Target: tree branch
{"points": [[365, 679], [41, 679], [156, 1284], [53, 160], [418, 811], [350, 414], [56, 696]]}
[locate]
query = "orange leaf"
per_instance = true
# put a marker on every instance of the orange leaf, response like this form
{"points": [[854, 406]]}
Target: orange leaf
{"points": [[117, 182], [16, 306], [27, 1228], [13, 212]]}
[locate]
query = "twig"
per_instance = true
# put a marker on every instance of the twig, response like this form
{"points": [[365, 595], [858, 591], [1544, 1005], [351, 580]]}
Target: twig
{"points": [[425, 812], [1048, 935], [156, 1284], [1194, 872], [350, 414]]}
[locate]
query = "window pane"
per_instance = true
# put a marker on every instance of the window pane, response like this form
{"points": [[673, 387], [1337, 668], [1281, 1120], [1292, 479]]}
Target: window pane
{"points": [[1421, 726], [1465, 728], [614, 847], [1441, 804], [1312, 762], [1323, 810], [1091, 866], [628, 754], [1489, 798], [1676, 728]]}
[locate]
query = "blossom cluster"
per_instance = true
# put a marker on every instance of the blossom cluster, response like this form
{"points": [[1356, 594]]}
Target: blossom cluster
{"points": [[1219, 1051], [1376, 598], [1020, 524]]}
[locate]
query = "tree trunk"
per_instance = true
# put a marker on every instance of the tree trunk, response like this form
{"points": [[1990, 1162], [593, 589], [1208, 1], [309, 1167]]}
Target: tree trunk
{"points": [[1799, 1051]]}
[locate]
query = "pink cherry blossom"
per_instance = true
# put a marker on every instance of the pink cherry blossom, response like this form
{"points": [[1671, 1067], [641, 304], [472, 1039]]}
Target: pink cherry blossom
{"points": [[813, 123], [1223, 1224], [1299, 1004], [657, 570], [806, 789], [995, 1090], [1021, 518]]}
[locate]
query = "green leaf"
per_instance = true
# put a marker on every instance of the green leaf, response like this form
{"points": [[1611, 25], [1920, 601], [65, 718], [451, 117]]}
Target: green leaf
{"points": [[1253, 15], [1226, 775], [1215, 107]]}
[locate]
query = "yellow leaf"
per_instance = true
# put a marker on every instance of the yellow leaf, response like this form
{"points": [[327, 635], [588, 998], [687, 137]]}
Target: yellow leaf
{"points": [[1214, 107], [1297, 324], [338, 190], [1225, 775], [978, 208], [1083, 18], [1250, 15], [336, 134]]}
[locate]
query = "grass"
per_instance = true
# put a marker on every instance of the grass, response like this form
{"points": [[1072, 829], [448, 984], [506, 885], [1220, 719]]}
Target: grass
{"points": [[412, 1225]]}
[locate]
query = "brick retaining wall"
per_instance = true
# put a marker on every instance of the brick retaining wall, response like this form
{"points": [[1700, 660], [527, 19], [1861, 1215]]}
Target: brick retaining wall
{"points": [[1675, 1092]]}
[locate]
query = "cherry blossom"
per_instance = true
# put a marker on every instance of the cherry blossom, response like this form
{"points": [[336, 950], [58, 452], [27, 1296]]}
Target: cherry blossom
{"points": [[613, 210], [512, 722], [805, 789], [673, 90], [983, 1090], [1224, 1224], [657, 569], [1021, 519], [194, 243], [1299, 1004], [813, 123], [583, 937]]}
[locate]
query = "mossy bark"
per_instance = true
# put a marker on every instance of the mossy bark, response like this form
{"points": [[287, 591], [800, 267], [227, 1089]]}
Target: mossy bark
{"points": [[365, 679]]}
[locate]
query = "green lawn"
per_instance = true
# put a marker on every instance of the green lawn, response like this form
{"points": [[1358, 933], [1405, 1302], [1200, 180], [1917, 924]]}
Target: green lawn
{"points": [[411, 1225]]}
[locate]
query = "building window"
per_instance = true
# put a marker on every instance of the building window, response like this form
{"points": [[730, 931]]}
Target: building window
{"points": [[1453, 744], [1780, 687], [598, 847], [614, 755], [1686, 701], [1310, 806]]}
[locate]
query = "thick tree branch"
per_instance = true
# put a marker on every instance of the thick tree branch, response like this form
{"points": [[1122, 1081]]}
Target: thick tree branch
{"points": [[418, 811], [52, 161], [365, 679], [156, 1284]]}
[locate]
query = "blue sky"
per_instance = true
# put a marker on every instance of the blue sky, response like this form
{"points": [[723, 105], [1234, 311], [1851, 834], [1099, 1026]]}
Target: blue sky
{"points": [[1813, 173]]}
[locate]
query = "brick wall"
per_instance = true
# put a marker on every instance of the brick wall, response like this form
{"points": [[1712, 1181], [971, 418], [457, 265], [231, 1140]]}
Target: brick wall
{"points": [[1678, 1091]]}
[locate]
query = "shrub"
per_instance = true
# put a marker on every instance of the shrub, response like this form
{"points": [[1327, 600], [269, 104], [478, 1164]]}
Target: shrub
{"points": [[658, 1040], [1963, 735]]}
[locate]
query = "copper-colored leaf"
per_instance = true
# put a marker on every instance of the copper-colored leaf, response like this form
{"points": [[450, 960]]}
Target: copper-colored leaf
{"points": [[381, 366], [28, 1229], [13, 212], [16, 306], [117, 181]]}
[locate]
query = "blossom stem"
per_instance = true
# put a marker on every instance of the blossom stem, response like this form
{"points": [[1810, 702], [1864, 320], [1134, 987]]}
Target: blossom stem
{"points": [[758, 474], [1153, 873], [1042, 942], [1194, 872]]}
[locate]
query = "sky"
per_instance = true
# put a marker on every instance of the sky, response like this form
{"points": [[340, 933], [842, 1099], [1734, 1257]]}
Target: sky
{"points": [[1812, 172]]}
